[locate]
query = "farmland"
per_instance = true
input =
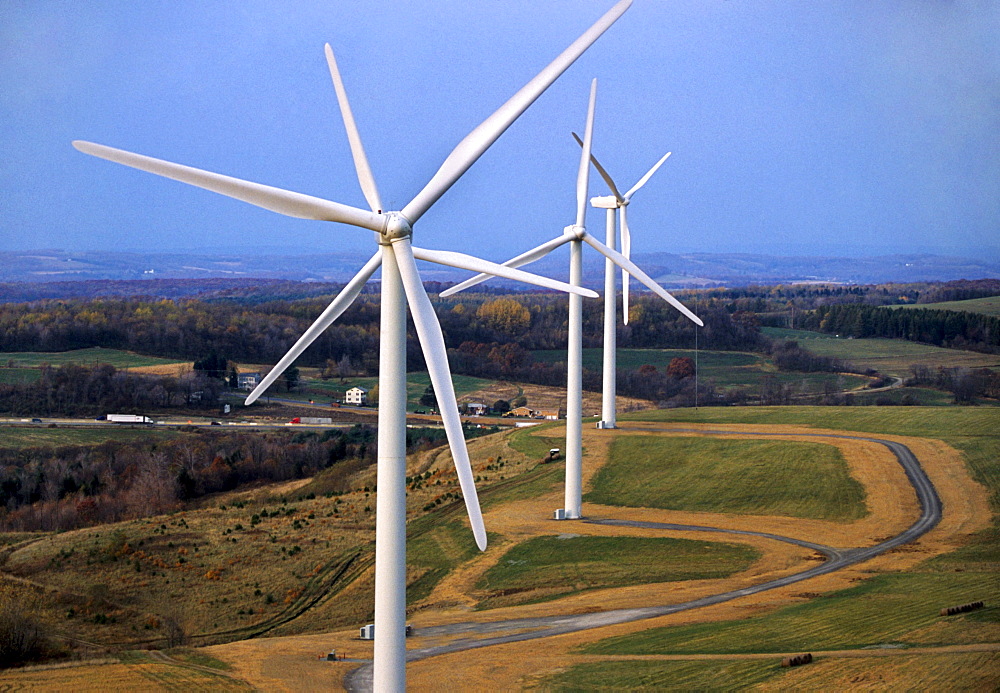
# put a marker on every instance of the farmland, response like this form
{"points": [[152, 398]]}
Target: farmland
{"points": [[310, 540], [989, 305], [892, 357]]}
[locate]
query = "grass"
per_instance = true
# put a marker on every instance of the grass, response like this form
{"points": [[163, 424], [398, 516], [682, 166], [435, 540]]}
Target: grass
{"points": [[726, 369], [989, 305], [888, 356], [896, 610], [551, 566], [416, 383], [38, 435], [885, 610], [435, 553], [83, 357], [975, 671], [795, 479], [662, 676], [19, 376]]}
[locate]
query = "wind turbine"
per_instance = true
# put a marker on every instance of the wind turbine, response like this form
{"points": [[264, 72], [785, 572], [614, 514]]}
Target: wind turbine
{"points": [[611, 202], [576, 235], [401, 285]]}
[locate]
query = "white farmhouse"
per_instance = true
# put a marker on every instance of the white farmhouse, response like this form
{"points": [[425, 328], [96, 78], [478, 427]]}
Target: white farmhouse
{"points": [[356, 395]]}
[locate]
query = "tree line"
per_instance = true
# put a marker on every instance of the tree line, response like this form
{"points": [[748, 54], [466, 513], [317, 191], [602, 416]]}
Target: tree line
{"points": [[75, 390], [945, 328]]}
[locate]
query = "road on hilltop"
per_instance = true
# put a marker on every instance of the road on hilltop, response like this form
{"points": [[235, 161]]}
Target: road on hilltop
{"points": [[499, 632]]}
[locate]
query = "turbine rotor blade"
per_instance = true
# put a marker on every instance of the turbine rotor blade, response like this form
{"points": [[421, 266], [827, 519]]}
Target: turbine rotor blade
{"points": [[487, 132], [341, 303], [432, 343], [627, 252], [519, 261], [474, 264], [285, 202], [365, 177], [634, 270], [583, 173], [600, 169], [649, 173]]}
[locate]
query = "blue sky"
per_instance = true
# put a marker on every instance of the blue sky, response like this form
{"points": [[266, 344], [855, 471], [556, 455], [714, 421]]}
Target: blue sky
{"points": [[837, 128]]}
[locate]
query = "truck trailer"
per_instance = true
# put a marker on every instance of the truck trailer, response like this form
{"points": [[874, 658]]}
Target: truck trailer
{"points": [[129, 418], [312, 420]]}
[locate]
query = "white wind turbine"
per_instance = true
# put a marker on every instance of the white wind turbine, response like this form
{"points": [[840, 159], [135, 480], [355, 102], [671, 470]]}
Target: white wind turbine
{"points": [[401, 285], [616, 200], [576, 235]]}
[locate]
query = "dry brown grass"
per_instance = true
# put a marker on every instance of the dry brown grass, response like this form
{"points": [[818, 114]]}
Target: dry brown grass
{"points": [[292, 663]]}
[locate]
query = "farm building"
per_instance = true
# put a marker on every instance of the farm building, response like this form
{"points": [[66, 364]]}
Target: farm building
{"points": [[247, 381], [356, 395], [521, 411]]}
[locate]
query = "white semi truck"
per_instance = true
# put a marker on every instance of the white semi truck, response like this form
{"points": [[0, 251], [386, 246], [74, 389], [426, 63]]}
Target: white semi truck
{"points": [[128, 418]]}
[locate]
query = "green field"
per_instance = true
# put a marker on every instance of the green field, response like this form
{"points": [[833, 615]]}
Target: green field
{"points": [[434, 553], [83, 357], [39, 435], [894, 610], [987, 306], [551, 566], [725, 369], [19, 376], [789, 478], [416, 383], [883, 609], [887, 356]]}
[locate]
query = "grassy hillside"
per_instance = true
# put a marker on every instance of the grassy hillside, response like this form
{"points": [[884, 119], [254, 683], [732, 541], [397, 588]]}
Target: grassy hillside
{"points": [[548, 567], [697, 474], [897, 610], [726, 369], [888, 356], [987, 306], [84, 357]]}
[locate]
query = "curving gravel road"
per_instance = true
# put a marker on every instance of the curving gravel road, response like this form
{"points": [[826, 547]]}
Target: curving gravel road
{"points": [[531, 628]]}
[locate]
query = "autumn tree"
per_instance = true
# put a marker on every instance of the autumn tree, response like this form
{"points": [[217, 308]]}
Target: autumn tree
{"points": [[680, 367], [505, 315]]}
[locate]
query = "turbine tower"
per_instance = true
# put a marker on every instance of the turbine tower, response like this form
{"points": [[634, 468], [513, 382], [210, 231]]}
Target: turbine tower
{"points": [[609, 408], [576, 235], [401, 286]]}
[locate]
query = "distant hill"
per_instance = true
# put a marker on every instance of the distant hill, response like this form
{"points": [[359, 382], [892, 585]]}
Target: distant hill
{"points": [[672, 270]]}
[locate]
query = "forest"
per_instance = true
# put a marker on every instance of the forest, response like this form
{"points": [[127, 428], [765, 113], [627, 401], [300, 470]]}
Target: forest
{"points": [[61, 488]]}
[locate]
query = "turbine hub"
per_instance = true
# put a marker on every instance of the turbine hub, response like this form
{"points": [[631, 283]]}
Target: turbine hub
{"points": [[396, 227], [577, 232]]}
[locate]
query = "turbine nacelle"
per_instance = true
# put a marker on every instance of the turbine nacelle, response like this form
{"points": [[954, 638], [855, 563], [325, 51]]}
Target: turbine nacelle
{"points": [[396, 227], [605, 202]]}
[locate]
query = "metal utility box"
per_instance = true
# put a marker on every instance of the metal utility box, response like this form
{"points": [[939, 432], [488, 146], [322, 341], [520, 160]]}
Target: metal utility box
{"points": [[368, 632], [559, 514]]}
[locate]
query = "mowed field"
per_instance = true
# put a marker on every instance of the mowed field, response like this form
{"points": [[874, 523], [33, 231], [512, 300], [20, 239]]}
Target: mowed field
{"points": [[989, 305], [725, 369], [892, 357], [875, 626], [13, 364]]}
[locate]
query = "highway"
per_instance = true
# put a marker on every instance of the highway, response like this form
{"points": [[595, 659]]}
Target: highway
{"points": [[501, 632]]}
